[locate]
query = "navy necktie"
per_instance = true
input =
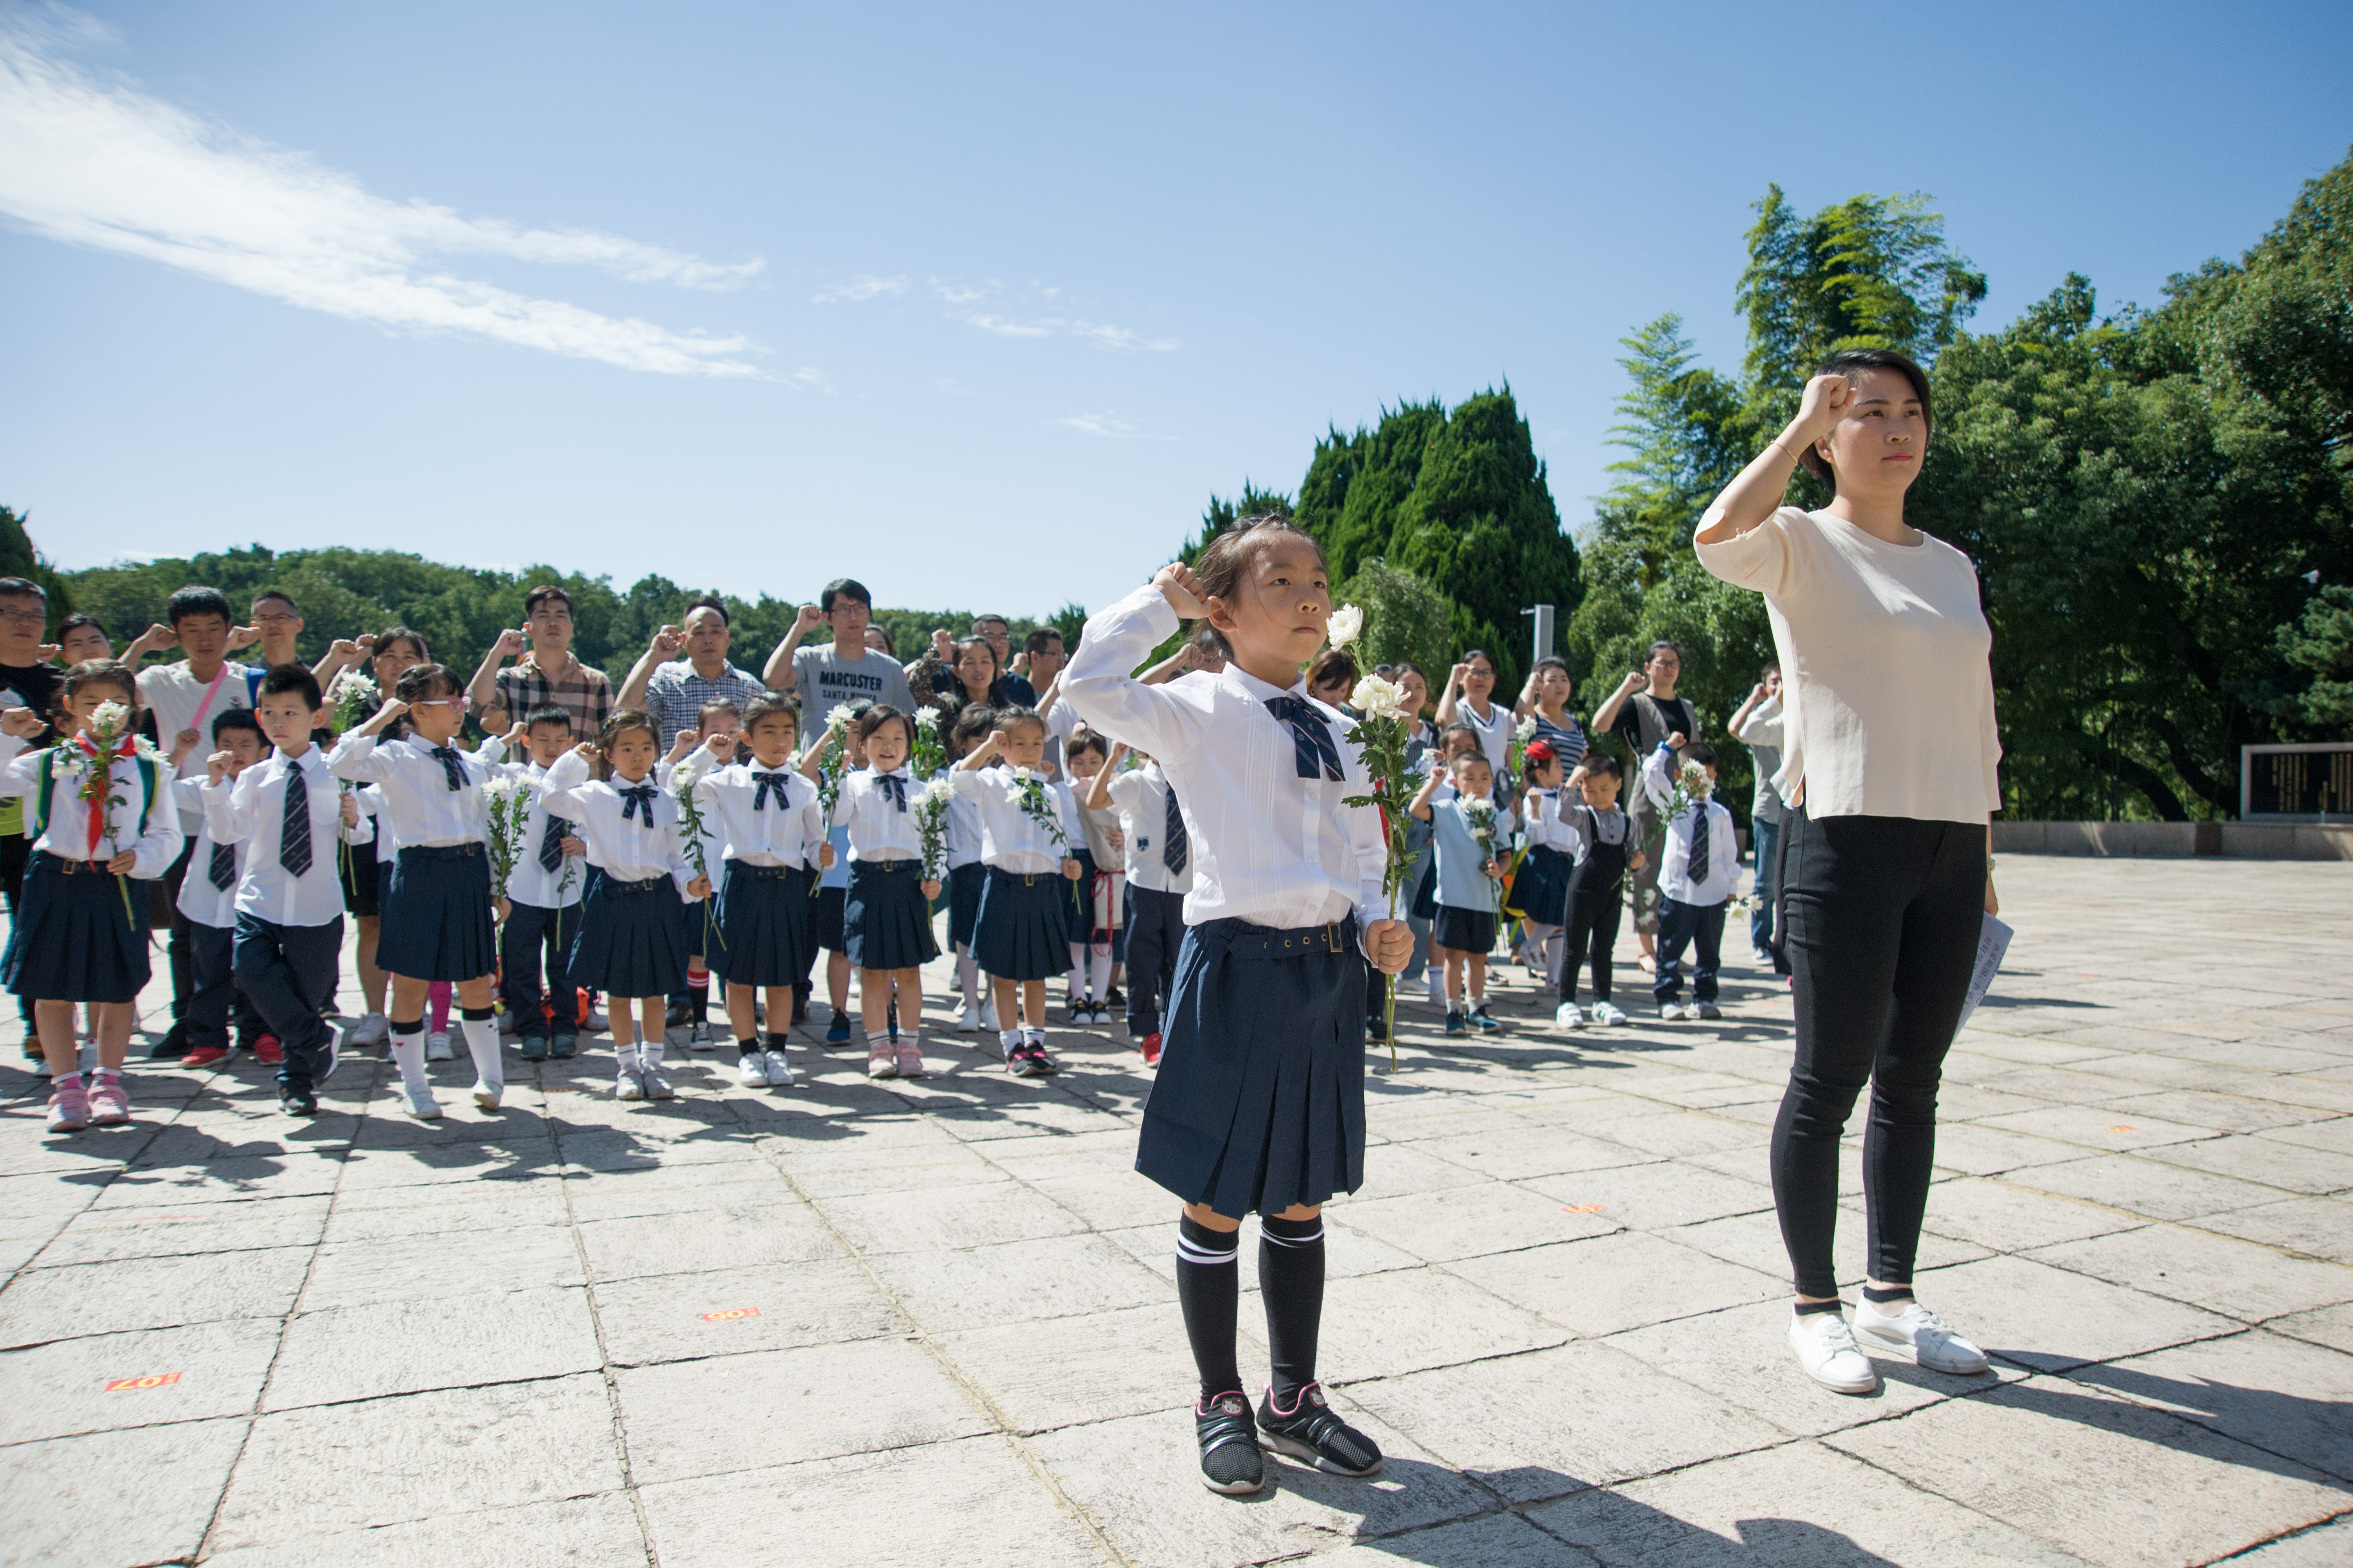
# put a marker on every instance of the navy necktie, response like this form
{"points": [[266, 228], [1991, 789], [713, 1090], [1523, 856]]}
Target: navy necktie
{"points": [[223, 871], [551, 844], [451, 767], [772, 782], [636, 799], [1699, 843], [1175, 849], [1311, 738], [294, 833], [895, 787]]}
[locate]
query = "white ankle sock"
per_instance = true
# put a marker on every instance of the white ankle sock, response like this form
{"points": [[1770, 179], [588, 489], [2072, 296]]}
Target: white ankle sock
{"points": [[408, 1056], [482, 1044], [1009, 1038], [625, 1057]]}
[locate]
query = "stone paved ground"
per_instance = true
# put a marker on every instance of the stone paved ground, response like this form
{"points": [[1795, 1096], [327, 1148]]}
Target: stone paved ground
{"points": [[933, 1322]]}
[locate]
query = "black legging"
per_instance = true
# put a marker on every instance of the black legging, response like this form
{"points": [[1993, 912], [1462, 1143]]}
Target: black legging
{"points": [[1884, 914]]}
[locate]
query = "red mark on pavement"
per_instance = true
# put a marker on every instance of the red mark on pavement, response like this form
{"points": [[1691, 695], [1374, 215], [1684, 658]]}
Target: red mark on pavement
{"points": [[1584, 1208], [729, 1315], [152, 1379]]}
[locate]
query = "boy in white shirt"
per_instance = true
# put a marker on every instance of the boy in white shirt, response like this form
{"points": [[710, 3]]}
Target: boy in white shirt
{"points": [[1699, 866], [543, 894], [1159, 875], [208, 900]]}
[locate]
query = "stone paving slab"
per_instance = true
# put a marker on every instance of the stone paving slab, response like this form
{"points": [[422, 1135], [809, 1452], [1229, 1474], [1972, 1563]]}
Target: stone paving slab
{"points": [[933, 1322]]}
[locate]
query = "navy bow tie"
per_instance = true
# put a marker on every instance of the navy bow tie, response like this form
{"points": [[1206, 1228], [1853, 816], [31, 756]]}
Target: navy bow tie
{"points": [[1311, 737], [896, 787], [769, 782], [451, 767], [636, 799]]}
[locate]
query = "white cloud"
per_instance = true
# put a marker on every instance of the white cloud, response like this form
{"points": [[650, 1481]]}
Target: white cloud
{"points": [[1006, 327], [1121, 338], [97, 164], [865, 286], [958, 293], [1100, 425]]}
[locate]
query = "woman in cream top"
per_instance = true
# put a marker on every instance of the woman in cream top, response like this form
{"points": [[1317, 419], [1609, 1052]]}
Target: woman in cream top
{"points": [[1889, 770]]}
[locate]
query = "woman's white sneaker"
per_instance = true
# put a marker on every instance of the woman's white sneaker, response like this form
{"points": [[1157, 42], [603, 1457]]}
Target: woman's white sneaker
{"points": [[1919, 1336], [1826, 1349], [1566, 1017], [1606, 1016]]}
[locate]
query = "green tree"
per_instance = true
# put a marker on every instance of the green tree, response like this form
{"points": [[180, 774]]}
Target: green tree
{"points": [[19, 557], [1406, 619]]}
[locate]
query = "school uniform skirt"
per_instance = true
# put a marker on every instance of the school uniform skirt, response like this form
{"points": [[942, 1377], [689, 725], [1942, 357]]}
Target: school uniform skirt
{"points": [[1464, 931], [763, 925], [71, 939], [1023, 929], [825, 918], [632, 940], [1260, 1100], [964, 883], [886, 922], [1540, 892], [362, 884], [438, 923]]}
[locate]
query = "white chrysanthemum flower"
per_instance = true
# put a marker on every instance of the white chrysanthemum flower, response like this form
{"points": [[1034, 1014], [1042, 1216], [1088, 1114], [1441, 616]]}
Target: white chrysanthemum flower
{"points": [[1023, 774], [927, 720], [839, 716], [1527, 732], [146, 748], [1347, 623], [1015, 797], [109, 718], [682, 778], [1378, 698], [939, 789]]}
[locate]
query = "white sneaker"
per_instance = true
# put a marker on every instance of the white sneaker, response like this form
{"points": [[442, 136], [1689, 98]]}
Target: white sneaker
{"points": [[626, 1085], [1826, 1349], [1605, 1017], [988, 1017], [486, 1093], [1669, 1012], [698, 1037], [1764, 960], [335, 1038], [373, 1029], [422, 1105], [1919, 1336], [1566, 1017], [780, 1072], [436, 1046], [657, 1086], [968, 1021], [751, 1069]]}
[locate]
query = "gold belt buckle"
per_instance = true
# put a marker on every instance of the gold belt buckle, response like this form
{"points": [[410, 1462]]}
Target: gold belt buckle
{"points": [[1332, 936]]}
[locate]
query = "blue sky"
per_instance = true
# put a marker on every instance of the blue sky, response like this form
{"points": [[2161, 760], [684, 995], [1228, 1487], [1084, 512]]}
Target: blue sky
{"points": [[981, 303]]}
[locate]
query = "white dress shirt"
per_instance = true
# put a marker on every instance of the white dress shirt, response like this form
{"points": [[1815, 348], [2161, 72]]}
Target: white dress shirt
{"points": [[964, 830], [253, 808], [780, 834], [155, 843], [1266, 846], [631, 850], [1578, 831], [1675, 879], [1142, 796], [1010, 839], [1545, 828], [530, 882], [419, 808], [879, 830], [199, 899]]}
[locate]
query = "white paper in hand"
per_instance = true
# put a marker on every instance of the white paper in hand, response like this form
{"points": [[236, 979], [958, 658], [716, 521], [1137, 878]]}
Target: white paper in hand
{"points": [[1993, 941]]}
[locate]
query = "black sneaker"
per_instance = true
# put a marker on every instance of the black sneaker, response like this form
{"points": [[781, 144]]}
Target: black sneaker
{"points": [[1310, 1432], [838, 1032], [1115, 1000], [296, 1099], [561, 1047], [1029, 1061], [1231, 1460], [174, 1045], [534, 1047]]}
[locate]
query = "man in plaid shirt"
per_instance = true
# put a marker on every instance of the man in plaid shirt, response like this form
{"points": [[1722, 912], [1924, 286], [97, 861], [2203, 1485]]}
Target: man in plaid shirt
{"points": [[675, 692], [550, 674]]}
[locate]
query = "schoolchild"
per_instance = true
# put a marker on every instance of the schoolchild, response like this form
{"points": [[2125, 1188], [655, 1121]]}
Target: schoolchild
{"points": [[771, 830], [435, 902], [1159, 874], [632, 944], [1600, 840], [289, 896], [79, 934], [544, 894], [826, 932], [1699, 866], [389, 654], [1259, 1103], [967, 872], [1540, 889], [721, 717], [1102, 888], [1022, 932], [208, 900], [1466, 837], [887, 907]]}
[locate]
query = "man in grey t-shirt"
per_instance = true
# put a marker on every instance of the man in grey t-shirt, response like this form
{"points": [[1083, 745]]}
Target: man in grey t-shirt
{"points": [[819, 673]]}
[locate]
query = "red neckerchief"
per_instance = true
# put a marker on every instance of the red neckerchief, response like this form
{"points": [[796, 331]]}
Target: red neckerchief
{"points": [[95, 812]]}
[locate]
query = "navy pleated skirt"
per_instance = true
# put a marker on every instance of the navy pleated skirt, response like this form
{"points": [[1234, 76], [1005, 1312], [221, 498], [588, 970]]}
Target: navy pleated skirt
{"points": [[964, 883], [438, 920], [1464, 931], [363, 885], [886, 922], [1260, 1100], [1023, 929], [825, 918], [763, 925], [72, 940], [1540, 891], [632, 940]]}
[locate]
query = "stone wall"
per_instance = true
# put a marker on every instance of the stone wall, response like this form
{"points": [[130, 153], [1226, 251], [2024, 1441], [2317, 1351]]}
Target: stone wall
{"points": [[2176, 840]]}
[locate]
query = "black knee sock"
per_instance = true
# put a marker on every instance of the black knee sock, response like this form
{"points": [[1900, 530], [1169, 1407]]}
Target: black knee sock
{"points": [[698, 998], [1291, 1283], [1209, 1291]]}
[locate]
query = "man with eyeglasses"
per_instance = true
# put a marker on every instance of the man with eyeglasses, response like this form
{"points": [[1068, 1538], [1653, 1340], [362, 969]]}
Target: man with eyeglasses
{"points": [[26, 680], [1646, 713]]}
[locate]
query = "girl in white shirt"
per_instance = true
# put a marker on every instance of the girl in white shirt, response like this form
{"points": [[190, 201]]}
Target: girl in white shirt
{"points": [[1260, 1102], [80, 933], [633, 942], [1022, 934], [1102, 880], [967, 873], [886, 914], [1888, 769]]}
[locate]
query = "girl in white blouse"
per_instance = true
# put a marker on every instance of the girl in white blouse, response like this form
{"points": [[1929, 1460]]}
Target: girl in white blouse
{"points": [[1888, 769], [1021, 934]]}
